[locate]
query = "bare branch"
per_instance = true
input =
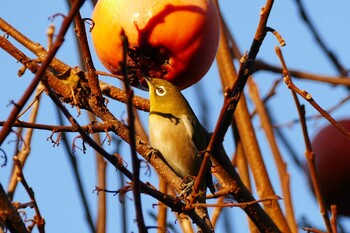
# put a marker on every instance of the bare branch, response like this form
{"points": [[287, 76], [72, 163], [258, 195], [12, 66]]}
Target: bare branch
{"points": [[308, 153]]}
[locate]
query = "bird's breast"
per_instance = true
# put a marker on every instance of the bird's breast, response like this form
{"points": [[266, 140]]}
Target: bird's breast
{"points": [[172, 136]]}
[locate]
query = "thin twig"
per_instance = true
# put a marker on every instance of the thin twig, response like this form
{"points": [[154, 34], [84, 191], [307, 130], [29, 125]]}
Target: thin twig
{"points": [[101, 222], [86, 55], [334, 218], [124, 209], [131, 119], [162, 209], [39, 220], [231, 204], [217, 210], [24, 152], [308, 97], [308, 152], [240, 161]]}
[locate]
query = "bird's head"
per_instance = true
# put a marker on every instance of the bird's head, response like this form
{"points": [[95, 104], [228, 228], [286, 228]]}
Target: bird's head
{"points": [[165, 97]]}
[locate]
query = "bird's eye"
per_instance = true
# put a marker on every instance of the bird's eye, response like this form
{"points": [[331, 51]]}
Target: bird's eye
{"points": [[160, 90]]}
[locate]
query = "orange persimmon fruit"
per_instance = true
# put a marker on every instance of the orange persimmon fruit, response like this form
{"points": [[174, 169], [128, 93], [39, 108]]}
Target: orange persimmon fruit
{"points": [[172, 39]]}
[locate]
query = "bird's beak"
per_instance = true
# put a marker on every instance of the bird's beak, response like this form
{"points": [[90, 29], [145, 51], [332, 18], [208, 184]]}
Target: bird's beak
{"points": [[144, 83], [148, 81]]}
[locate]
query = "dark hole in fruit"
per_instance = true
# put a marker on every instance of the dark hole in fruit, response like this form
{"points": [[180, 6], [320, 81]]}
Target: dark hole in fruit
{"points": [[151, 62]]}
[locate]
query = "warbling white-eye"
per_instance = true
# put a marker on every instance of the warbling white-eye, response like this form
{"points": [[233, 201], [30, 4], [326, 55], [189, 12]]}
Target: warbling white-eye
{"points": [[176, 132]]}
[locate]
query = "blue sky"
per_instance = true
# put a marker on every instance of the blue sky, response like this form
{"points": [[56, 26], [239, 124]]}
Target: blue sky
{"points": [[47, 169]]}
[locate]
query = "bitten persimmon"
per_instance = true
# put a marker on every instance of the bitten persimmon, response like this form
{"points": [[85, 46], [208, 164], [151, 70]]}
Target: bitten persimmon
{"points": [[172, 39], [332, 160]]}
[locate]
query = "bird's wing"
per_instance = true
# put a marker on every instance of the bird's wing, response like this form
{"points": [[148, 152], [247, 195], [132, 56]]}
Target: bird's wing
{"points": [[200, 138]]}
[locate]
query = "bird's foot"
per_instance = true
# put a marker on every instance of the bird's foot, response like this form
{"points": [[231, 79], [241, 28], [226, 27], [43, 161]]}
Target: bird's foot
{"points": [[186, 186], [151, 152]]}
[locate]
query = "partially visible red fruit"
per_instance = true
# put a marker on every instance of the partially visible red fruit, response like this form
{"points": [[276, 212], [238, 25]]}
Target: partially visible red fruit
{"points": [[332, 159]]}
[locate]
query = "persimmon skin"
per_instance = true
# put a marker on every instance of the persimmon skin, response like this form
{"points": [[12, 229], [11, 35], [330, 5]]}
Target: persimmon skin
{"points": [[332, 160], [172, 39]]}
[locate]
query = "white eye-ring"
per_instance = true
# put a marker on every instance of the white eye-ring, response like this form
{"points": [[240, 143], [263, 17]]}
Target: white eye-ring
{"points": [[160, 91]]}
